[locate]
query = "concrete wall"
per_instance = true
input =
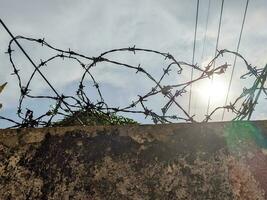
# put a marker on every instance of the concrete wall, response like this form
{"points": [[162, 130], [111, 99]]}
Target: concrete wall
{"points": [[176, 161]]}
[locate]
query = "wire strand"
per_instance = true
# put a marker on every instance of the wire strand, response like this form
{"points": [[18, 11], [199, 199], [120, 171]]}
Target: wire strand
{"points": [[204, 43], [36, 68], [234, 64], [205, 35], [193, 58], [216, 49]]}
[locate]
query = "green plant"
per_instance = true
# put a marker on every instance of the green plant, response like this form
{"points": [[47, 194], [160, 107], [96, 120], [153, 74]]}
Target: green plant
{"points": [[93, 117]]}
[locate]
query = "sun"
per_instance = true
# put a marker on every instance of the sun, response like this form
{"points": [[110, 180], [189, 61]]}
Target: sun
{"points": [[215, 89]]}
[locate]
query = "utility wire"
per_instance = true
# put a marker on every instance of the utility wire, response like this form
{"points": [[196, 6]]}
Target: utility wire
{"points": [[193, 58], [37, 69], [204, 42], [234, 64], [205, 36], [216, 49]]}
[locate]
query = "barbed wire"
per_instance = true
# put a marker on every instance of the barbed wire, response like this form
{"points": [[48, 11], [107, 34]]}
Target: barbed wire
{"points": [[173, 92]]}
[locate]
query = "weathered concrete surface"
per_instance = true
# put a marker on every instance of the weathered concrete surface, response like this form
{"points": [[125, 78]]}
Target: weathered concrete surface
{"points": [[177, 161]]}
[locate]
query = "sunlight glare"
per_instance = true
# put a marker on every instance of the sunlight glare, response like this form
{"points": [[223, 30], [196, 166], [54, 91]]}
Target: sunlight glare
{"points": [[216, 90]]}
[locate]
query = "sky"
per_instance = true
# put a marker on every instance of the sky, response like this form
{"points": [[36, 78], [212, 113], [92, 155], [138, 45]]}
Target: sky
{"points": [[94, 26]]}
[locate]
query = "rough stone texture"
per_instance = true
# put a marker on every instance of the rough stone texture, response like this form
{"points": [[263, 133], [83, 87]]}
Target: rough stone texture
{"points": [[178, 161]]}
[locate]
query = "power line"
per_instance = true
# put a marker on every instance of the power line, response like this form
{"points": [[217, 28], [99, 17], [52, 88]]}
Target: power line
{"points": [[206, 28], [204, 41], [193, 58], [216, 49], [237, 50], [37, 69]]}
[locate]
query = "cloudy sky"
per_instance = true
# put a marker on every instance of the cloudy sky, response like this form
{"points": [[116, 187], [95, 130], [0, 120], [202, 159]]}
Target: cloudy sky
{"points": [[94, 26]]}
